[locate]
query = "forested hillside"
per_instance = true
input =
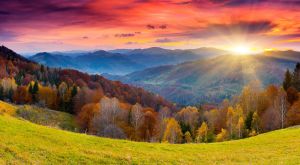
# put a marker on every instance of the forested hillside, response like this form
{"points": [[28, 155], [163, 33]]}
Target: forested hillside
{"points": [[71, 91], [214, 79], [112, 109]]}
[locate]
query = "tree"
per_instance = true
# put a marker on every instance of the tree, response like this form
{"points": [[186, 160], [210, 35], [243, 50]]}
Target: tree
{"points": [[229, 116], [1, 93], [222, 136], [35, 87], [292, 95], [109, 114], [173, 132], [163, 114], [137, 116], [188, 118], [296, 77], [282, 101], [85, 116], [248, 121], [187, 137], [74, 91], [287, 80], [255, 124], [33, 90], [293, 115], [202, 132], [148, 128], [212, 119], [240, 126]]}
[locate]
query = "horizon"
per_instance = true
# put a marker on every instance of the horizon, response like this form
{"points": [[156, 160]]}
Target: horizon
{"points": [[245, 26], [29, 54]]}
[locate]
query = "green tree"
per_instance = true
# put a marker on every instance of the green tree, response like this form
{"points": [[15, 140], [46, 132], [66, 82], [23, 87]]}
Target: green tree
{"points": [[287, 80], [1, 93], [248, 121], [296, 77], [35, 87], [74, 91]]}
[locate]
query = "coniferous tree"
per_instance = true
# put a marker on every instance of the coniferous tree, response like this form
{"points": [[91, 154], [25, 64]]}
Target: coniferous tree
{"points": [[287, 80], [248, 120], [296, 77], [35, 87], [1, 93], [74, 91], [10, 94]]}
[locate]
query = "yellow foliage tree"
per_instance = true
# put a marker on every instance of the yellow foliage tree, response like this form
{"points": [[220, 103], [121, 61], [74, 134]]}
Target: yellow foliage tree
{"points": [[222, 136], [202, 132], [187, 137], [173, 132], [240, 126]]}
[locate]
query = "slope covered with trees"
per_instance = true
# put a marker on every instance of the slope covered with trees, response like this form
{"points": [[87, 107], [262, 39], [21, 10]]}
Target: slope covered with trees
{"points": [[71, 91], [112, 109], [214, 79]]}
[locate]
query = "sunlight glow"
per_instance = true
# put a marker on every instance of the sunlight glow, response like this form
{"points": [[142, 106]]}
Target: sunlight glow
{"points": [[242, 50]]}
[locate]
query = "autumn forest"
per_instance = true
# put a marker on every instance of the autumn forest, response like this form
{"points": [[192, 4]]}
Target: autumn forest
{"points": [[112, 109]]}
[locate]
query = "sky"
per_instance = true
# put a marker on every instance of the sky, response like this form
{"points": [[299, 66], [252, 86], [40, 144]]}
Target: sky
{"points": [[62, 25]]}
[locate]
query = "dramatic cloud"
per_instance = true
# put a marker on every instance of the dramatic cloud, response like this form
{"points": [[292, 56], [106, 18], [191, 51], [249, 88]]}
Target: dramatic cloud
{"points": [[125, 35], [163, 26], [163, 40], [99, 24], [244, 27]]}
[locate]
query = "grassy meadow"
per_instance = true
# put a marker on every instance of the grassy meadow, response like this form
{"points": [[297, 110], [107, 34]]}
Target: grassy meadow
{"points": [[23, 142]]}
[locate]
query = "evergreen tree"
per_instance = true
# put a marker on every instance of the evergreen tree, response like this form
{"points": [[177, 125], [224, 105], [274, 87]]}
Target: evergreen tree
{"points": [[296, 77], [33, 90], [287, 80], [1, 93], [35, 87], [30, 88], [248, 120], [42, 68], [74, 91], [10, 95]]}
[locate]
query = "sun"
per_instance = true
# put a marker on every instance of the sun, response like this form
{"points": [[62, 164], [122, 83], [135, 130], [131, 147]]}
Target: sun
{"points": [[241, 50]]}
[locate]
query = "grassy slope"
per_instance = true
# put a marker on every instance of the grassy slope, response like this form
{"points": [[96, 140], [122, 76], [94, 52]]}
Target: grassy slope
{"points": [[25, 142], [42, 116]]}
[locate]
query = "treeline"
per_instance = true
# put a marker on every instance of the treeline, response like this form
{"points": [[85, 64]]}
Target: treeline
{"points": [[254, 111]]}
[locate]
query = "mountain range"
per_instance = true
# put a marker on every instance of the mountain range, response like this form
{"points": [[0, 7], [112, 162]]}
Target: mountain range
{"points": [[122, 61], [192, 76], [211, 80], [24, 71]]}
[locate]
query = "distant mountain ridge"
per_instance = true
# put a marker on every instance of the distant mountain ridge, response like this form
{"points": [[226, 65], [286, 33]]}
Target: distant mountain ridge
{"points": [[212, 79], [122, 61], [9, 54]]}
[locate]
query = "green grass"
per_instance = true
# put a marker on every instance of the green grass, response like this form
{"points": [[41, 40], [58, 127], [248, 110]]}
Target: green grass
{"points": [[22, 142], [47, 117], [41, 116]]}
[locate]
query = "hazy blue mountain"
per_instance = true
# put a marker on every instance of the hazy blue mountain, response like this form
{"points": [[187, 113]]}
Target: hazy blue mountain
{"points": [[212, 79], [156, 56], [122, 61], [54, 60]]}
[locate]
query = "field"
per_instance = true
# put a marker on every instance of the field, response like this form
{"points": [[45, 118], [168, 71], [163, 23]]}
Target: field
{"points": [[22, 142]]}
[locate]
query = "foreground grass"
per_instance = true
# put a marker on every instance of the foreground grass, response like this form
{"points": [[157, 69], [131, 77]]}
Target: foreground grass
{"points": [[22, 142]]}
